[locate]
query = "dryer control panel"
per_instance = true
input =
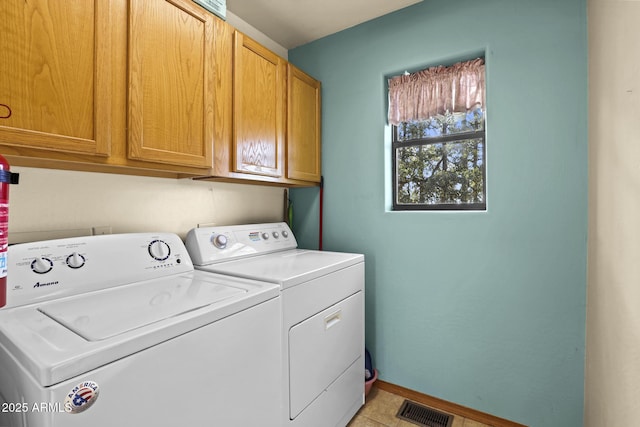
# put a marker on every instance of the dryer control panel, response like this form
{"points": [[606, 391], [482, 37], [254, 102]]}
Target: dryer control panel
{"points": [[208, 245], [40, 271]]}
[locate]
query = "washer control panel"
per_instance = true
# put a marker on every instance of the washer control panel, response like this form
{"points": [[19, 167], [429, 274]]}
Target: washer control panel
{"points": [[208, 245], [39, 271]]}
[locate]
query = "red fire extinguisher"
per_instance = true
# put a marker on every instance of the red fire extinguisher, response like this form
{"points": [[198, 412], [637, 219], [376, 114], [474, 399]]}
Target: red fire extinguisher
{"points": [[6, 178]]}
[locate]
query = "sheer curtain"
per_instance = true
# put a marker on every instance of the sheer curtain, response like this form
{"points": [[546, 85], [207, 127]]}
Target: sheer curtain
{"points": [[436, 90]]}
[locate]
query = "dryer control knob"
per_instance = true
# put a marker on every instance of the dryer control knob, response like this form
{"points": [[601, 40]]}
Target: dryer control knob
{"points": [[275, 234], [41, 265], [75, 260], [285, 233], [265, 236], [159, 250], [219, 241]]}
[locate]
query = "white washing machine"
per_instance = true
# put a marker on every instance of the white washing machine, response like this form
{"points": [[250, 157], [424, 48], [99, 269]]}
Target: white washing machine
{"points": [[322, 314], [120, 330]]}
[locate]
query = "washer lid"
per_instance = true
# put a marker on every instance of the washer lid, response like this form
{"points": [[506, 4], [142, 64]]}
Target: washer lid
{"points": [[60, 339], [97, 317], [287, 268]]}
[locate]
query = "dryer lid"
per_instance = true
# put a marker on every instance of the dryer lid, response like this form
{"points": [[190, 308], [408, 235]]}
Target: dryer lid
{"points": [[287, 268]]}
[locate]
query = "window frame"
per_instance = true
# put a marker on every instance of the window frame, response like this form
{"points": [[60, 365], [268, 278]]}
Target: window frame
{"points": [[395, 144]]}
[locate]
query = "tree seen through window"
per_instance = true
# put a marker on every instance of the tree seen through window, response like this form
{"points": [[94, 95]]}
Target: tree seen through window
{"points": [[439, 162]]}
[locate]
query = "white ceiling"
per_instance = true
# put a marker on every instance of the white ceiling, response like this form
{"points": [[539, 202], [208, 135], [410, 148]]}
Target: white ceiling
{"points": [[292, 23]]}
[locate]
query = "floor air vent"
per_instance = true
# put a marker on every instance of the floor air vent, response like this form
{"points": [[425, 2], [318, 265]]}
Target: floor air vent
{"points": [[423, 416]]}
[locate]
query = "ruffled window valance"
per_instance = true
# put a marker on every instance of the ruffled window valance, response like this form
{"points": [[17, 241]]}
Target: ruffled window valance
{"points": [[436, 90]]}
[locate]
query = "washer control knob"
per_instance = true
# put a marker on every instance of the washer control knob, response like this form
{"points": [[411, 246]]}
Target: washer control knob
{"points": [[219, 241], [265, 236], [285, 233], [275, 235], [159, 250], [75, 260], [41, 265]]}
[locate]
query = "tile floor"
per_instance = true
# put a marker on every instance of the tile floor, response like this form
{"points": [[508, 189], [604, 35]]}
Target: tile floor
{"points": [[381, 407]]}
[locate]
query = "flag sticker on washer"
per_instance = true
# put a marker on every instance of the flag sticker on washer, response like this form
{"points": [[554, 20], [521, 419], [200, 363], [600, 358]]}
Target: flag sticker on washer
{"points": [[254, 236], [81, 397]]}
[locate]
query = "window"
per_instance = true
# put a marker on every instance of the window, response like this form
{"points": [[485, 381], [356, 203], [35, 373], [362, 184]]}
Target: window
{"points": [[438, 138]]}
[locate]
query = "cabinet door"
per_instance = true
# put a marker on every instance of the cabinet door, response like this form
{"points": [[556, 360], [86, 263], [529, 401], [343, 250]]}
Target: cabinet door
{"points": [[258, 110], [303, 126], [55, 77], [170, 83]]}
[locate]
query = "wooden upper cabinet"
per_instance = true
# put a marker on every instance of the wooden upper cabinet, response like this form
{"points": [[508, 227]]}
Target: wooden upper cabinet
{"points": [[171, 83], [303, 126], [55, 77], [258, 108]]}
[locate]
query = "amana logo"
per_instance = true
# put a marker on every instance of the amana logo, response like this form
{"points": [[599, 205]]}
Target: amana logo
{"points": [[38, 284], [81, 397]]}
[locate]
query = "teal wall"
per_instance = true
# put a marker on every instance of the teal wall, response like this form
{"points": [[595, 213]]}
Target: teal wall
{"points": [[484, 309]]}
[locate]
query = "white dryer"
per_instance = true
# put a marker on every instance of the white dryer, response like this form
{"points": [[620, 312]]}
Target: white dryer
{"points": [[120, 330], [322, 314]]}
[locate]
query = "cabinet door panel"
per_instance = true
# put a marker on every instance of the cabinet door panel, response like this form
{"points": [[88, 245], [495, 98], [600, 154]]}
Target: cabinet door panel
{"points": [[56, 75], [258, 119], [303, 126], [171, 111]]}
